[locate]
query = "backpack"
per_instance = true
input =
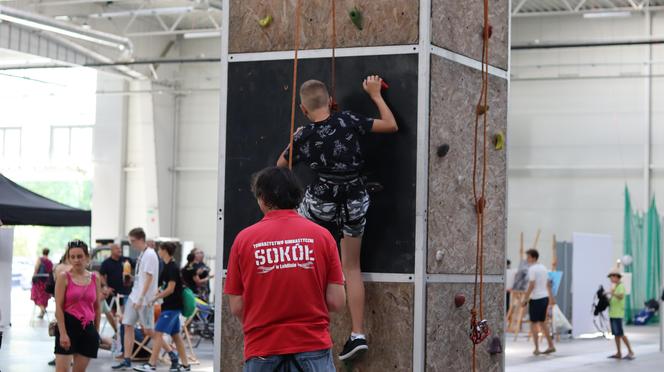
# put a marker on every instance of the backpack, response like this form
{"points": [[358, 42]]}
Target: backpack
{"points": [[602, 301], [188, 302]]}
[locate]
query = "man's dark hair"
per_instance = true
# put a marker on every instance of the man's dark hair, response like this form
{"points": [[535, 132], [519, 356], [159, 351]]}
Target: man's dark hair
{"points": [[46, 251], [137, 233], [169, 247], [533, 253], [277, 187]]}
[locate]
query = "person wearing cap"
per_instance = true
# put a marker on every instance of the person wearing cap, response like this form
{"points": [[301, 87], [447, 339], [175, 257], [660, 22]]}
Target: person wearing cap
{"points": [[617, 313]]}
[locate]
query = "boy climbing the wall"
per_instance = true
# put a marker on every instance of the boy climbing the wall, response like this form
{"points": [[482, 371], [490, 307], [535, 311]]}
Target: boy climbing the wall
{"points": [[338, 199]]}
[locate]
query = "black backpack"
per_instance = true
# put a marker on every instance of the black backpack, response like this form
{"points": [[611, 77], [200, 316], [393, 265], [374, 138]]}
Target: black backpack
{"points": [[602, 301]]}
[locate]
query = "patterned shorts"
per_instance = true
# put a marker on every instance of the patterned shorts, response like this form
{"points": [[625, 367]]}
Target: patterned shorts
{"points": [[348, 217]]}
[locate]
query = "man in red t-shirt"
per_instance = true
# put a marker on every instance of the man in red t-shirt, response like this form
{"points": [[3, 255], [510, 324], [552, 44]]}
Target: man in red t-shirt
{"points": [[284, 277]]}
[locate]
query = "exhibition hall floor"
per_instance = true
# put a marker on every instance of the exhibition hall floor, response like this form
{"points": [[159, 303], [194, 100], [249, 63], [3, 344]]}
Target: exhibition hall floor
{"points": [[587, 354]]}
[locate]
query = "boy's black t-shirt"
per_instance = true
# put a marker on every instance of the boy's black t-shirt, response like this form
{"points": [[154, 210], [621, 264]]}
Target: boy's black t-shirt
{"points": [[332, 146], [171, 273]]}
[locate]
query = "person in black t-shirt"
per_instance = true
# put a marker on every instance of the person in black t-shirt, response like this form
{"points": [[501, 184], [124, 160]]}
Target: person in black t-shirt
{"points": [[171, 290], [112, 275], [338, 199]]}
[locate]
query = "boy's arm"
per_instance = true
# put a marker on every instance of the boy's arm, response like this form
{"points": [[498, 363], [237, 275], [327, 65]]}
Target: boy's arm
{"points": [[282, 162], [387, 123]]}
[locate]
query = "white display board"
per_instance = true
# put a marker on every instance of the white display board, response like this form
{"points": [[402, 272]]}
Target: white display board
{"points": [[6, 253], [592, 259]]}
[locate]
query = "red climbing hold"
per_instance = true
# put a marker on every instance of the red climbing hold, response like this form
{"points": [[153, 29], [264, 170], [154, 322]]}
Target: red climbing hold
{"points": [[459, 300], [383, 85], [479, 331], [490, 29], [480, 205], [482, 109]]}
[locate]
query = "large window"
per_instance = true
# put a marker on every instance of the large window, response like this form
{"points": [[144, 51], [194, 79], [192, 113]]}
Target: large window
{"points": [[10, 143], [71, 143]]}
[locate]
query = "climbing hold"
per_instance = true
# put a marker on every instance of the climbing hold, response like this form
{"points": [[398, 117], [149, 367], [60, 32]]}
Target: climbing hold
{"points": [[479, 331], [265, 21], [499, 141], [383, 85], [459, 299], [356, 17], [439, 256], [495, 346], [482, 109], [443, 150], [484, 29]]}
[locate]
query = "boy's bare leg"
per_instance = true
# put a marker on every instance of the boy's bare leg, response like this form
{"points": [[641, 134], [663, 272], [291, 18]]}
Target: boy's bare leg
{"points": [[179, 344], [547, 334], [629, 346], [157, 342], [128, 340], [350, 261], [619, 353]]}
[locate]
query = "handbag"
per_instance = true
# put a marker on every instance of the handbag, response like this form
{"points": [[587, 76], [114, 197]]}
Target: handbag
{"points": [[52, 328]]}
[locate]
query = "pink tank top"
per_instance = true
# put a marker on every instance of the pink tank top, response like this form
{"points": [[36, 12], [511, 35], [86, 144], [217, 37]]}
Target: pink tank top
{"points": [[80, 300]]}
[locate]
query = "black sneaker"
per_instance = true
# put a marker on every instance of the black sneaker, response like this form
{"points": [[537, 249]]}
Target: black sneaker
{"points": [[51, 363], [185, 368], [353, 348], [122, 366]]}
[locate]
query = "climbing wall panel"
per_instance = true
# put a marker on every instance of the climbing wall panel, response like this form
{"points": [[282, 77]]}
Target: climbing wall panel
{"points": [[258, 129], [457, 26], [454, 93], [385, 22], [391, 346], [448, 345]]}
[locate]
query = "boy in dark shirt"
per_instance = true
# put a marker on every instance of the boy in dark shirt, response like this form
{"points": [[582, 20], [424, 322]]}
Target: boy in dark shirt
{"points": [[338, 200], [171, 308]]}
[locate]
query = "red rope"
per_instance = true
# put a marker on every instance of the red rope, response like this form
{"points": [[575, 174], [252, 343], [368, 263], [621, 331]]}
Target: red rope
{"points": [[479, 196]]}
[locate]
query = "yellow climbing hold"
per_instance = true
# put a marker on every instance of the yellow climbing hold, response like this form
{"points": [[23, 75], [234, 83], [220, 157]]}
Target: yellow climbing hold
{"points": [[265, 21], [499, 141]]}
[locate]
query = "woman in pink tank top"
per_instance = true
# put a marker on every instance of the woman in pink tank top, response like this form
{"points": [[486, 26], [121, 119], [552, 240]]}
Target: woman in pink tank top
{"points": [[77, 310]]}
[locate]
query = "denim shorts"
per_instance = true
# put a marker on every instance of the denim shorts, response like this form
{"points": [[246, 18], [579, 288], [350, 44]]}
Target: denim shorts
{"points": [[310, 361], [617, 326]]}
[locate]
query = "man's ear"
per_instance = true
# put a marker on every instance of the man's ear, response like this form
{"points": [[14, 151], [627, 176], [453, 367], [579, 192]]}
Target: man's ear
{"points": [[304, 110]]}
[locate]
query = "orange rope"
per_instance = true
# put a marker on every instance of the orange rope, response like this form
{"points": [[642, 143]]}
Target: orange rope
{"points": [[293, 86], [479, 197], [334, 47]]}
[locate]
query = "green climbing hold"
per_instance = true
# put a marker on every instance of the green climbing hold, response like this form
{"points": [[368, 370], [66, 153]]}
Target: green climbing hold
{"points": [[499, 141], [265, 21], [356, 18]]}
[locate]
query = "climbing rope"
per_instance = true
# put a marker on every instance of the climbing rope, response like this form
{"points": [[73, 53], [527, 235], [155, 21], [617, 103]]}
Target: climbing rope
{"points": [[479, 330], [334, 61], [296, 46]]}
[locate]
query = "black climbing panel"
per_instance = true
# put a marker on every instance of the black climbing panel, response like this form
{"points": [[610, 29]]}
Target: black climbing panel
{"points": [[258, 130]]}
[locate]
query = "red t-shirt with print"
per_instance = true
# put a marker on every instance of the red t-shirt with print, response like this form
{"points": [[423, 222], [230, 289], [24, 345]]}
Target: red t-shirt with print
{"points": [[281, 267]]}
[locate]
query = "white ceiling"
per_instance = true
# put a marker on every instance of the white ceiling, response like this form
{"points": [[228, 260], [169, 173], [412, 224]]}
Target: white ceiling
{"points": [[552, 7]]}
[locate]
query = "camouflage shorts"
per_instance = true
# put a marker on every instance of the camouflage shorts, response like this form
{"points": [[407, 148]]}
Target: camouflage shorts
{"points": [[348, 217]]}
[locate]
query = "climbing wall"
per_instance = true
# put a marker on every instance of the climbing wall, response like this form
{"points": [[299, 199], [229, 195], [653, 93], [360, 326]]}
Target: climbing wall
{"points": [[419, 247]]}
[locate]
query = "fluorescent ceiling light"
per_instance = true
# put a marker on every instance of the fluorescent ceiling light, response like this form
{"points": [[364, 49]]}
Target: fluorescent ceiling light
{"points": [[56, 30], [144, 12], [202, 35], [607, 15]]}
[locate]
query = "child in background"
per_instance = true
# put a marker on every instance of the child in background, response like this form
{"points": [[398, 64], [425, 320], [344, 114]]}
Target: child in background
{"points": [[617, 313]]}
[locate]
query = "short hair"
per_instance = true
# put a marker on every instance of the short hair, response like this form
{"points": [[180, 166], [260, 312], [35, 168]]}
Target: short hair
{"points": [[46, 251], [533, 253], [169, 247], [77, 244], [137, 233], [277, 187], [314, 94]]}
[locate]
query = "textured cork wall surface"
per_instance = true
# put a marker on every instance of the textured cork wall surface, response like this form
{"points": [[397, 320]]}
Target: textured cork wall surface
{"points": [[448, 346], [457, 26], [388, 326], [385, 22], [389, 329], [454, 95], [232, 340]]}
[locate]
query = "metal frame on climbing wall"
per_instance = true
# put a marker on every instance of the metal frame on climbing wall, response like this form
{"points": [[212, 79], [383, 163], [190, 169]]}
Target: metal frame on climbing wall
{"points": [[420, 278]]}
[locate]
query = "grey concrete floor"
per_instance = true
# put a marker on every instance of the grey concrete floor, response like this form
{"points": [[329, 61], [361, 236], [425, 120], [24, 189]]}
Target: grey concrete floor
{"points": [[26, 346], [587, 354]]}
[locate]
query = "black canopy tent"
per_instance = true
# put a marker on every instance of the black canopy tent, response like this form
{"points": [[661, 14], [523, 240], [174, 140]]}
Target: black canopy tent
{"points": [[20, 206]]}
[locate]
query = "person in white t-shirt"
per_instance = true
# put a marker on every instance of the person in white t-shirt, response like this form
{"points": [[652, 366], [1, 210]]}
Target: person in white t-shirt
{"points": [[138, 308], [538, 298]]}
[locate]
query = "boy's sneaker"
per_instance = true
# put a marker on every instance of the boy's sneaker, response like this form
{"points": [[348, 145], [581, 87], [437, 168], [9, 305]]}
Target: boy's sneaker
{"points": [[175, 367], [353, 348], [122, 366], [146, 367], [185, 368]]}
